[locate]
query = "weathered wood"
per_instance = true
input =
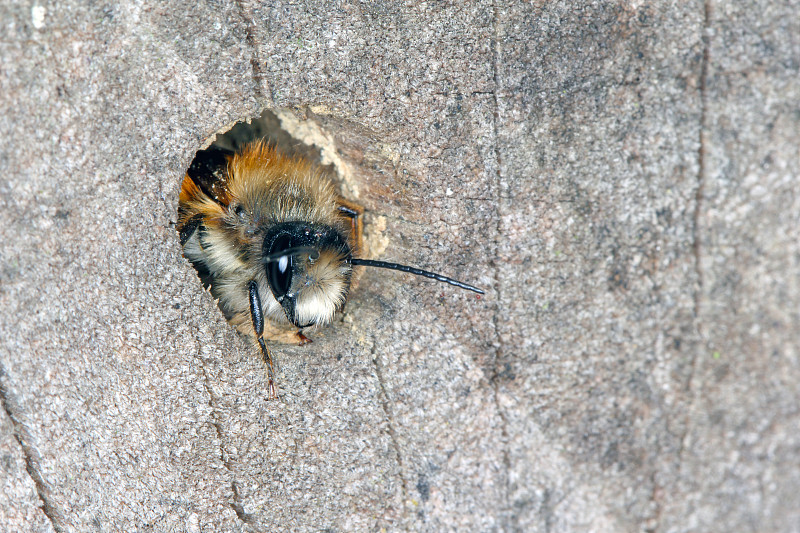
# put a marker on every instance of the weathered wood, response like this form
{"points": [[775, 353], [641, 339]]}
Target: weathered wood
{"points": [[621, 177]]}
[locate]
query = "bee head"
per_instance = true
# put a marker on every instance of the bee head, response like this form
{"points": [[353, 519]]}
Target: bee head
{"points": [[308, 270]]}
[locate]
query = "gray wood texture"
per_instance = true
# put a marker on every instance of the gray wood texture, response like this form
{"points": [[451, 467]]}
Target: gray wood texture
{"points": [[622, 178]]}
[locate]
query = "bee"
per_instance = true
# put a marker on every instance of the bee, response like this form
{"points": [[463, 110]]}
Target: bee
{"points": [[274, 243]]}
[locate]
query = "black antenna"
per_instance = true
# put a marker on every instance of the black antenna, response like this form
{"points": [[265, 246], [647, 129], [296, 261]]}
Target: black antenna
{"points": [[412, 270]]}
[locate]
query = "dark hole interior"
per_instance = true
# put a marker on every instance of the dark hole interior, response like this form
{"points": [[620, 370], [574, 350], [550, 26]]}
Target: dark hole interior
{"points": [[267, 126]]}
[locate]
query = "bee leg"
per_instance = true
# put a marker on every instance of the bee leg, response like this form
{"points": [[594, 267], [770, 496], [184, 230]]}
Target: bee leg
{"points": [[303, 339], [354, 213], [187, 229], [258, 328]]}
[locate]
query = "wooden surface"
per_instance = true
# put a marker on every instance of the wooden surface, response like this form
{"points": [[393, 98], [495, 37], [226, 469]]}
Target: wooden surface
{"points": [[622, 178]]}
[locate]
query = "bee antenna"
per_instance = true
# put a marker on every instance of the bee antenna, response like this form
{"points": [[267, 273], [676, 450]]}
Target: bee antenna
{"points": [[416, 271]]}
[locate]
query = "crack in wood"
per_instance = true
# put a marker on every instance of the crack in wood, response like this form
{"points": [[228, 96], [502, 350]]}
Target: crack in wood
{"points": [[389, 413], [32, 460], [506, 516], [696, 244], [236, 504], [263, 87]]}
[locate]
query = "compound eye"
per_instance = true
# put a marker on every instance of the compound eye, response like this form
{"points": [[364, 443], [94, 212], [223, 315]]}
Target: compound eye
{"points": [[279, 270]]}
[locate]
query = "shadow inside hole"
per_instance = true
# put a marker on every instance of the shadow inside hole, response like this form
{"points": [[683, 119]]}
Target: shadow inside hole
{"points": [[268, 127]]}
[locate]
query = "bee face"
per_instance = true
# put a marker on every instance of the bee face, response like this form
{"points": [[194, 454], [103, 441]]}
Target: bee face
{"points": [[268, 235], [308, 270]]}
